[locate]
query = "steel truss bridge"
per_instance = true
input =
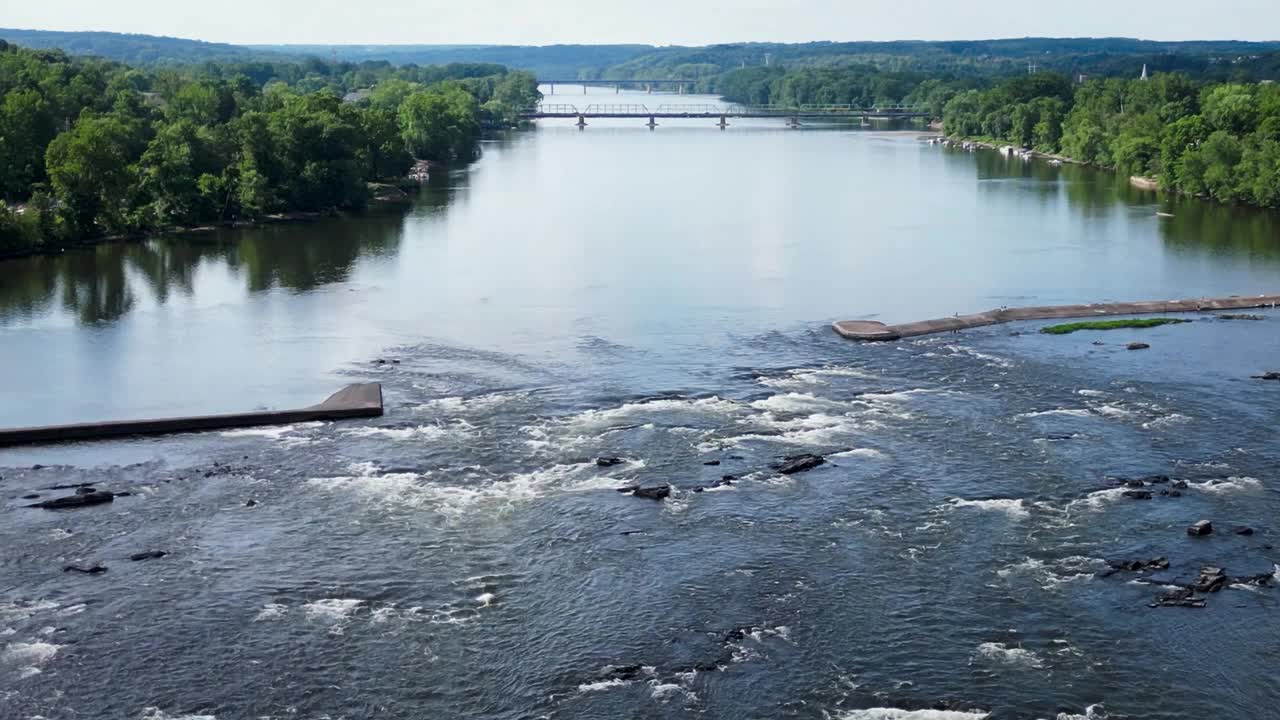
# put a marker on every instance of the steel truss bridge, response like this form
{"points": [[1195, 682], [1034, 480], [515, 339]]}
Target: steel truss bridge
{"points": [[723, 113]]}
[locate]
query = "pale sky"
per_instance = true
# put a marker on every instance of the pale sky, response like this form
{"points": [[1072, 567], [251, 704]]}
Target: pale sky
{"points": [[657, 22]]}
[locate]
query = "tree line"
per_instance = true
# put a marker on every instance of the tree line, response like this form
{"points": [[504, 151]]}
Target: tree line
{"points": [[1218, 140], [91, 148]]}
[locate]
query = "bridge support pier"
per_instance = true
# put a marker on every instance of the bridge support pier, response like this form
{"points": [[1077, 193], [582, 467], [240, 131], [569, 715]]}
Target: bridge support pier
{"points": [[724, 122], [794, 123], [582, 123], [553, 88], [653, 122]]}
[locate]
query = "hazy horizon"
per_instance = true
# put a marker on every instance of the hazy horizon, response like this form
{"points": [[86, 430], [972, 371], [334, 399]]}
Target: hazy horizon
{"points": [[660, 22]]}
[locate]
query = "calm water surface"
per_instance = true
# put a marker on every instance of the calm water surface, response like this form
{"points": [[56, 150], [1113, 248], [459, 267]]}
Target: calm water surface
{"points": [[663, 297]]}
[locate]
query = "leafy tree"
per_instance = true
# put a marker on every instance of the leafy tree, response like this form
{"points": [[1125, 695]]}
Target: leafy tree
{"points": [[439, 124], [92, 173], [26, 127]]}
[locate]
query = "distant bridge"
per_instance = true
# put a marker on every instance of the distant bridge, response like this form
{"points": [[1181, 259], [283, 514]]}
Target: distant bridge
{"points": [[723, 113], [681, 86]]}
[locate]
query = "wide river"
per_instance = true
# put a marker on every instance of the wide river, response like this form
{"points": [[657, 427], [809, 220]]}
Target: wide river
{"points": [[663, 297]]}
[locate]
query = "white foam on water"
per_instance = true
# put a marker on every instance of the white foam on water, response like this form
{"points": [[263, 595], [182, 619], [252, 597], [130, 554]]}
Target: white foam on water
{"points": [[814, 376], [1098, 499], [1093, 712], [1056, 412], [7, 632], [274, 432], [15, 611], [1166, 421], [1112, 410], [1230, 485], [411, 490], [390, 612], [1014, 508], [455, 429], [897, 714], [332, 610], [795, 402], [486, 599], [865, 453], [1001, 653], [990, 359], [1091, 393], [666, 691], [602, 685], [271, 611], [32, 653], [714, 407]]}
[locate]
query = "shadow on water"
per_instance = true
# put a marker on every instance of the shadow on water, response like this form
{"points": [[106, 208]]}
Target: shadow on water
{"points": [[104, 283]]}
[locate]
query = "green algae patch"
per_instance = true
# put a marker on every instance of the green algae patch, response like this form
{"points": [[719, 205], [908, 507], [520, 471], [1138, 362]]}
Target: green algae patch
{"points": [[1069, 328]]}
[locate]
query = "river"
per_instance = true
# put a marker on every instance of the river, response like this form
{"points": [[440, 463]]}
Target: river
{"points": [[664, 297]]}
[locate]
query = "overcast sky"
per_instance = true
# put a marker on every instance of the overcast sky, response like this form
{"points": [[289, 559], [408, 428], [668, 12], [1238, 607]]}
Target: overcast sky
{"points": [[658, 22]]}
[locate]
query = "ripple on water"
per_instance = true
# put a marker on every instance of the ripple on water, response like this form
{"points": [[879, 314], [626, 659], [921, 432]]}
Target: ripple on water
{"points": [[882, 713]]}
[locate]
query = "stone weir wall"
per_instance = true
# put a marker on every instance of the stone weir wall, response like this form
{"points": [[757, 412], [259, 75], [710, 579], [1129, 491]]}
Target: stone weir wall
{"points": [[353, 401], [872, 330]]}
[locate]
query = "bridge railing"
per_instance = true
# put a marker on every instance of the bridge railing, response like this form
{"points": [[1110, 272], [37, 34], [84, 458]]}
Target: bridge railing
{"points": [[553, 109], [616, 110]]}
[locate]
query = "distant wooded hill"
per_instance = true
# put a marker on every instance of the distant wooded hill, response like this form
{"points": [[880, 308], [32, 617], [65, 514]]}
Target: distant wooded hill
{"points": [[1095, 56]]}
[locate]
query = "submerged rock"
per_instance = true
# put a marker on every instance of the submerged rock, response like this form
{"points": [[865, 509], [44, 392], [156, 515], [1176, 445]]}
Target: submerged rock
{"points": [[94, 569], [1199, 528], [1241, 317], [1274, 375], [1137, 494], [712, 463], [657, 492], [799, 463], [251, 503], [622, 672], [1243, 530], [609, 461], [80, 499], [1182, 597], [148, 555], [1137, 346]]}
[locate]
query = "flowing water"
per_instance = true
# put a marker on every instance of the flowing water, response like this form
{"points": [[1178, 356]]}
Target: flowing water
{"points": [[662, 297]]}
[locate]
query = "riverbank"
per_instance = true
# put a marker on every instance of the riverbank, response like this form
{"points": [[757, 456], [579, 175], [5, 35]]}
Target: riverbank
{"points": [[381, 194]]}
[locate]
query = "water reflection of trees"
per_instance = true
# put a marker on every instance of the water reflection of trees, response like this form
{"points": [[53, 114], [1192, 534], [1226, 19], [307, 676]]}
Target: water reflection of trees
{"points": [[101, 284], [1196, 226]]}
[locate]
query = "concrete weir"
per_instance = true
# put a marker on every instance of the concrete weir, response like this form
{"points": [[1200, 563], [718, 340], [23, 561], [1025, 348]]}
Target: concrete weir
{"points": [[353, 401], [873, 330]]}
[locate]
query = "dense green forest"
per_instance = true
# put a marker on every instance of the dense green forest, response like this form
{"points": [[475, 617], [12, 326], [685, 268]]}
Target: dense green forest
{"points": [[1219, 140], [90, 148]]}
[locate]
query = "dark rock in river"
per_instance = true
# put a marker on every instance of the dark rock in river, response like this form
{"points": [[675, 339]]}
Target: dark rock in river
{"points": [[1137, 494], [88, 490], [1202, 527], [1136, 566], [148, 555], [1180, 484], [1134, 483], [1137, 346], [37, 467], [1268, 376], [1156, 479], [94, 569], [1211, 580], [712, 462], [1244, 530], [1241, 317], [32, 496], [251, 503], [609, 461], [657, 492], [96, 497], [799, 463]]}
